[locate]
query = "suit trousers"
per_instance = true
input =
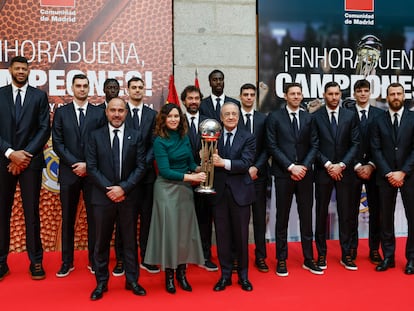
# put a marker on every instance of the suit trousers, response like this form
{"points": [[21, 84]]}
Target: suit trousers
{"points": [[345, 209], [204, 210], [69, 198], [259, 218], [30, 181], [387, 198], [285, 189], [232, 226], [126, 216]]}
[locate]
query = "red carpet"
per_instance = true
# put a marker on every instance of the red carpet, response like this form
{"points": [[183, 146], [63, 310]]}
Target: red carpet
{"points": [[338, 289]]}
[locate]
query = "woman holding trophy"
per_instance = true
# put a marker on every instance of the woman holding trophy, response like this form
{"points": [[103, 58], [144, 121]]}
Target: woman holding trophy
{"points": [[174, 238]]}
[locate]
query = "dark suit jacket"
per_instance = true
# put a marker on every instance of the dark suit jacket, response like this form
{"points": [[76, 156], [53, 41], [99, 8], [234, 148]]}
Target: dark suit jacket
{"points": [[99, 164], [238, 178], [283, 146], [342, 148], [364, 151], [146, 131], [259, 132], [69, 142], [195, 140], [34, 126], [207, 107], [390, 154]]}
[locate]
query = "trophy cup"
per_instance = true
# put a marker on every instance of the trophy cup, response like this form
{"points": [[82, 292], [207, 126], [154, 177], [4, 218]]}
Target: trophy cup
{"points": [[210, 131], [368, 52]]}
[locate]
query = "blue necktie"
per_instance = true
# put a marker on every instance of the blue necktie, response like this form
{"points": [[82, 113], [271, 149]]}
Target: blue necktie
{"points": [[135, 118], [334, 125], [115, 156], [18, 105], [227, 146], [218, 108], [81, 117]]}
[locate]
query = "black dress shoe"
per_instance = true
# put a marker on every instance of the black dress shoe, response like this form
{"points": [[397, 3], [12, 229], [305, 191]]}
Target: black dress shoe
{"points": [[221, 284], [375, 257], [245, 285], [409, 268], [385, 264], [136, 288], [99, 290]]}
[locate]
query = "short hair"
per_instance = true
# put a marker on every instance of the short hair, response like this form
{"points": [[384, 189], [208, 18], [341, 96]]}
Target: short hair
{"points": [[213, 72], [394, 84], [331, 84], [135, 79], [19, 59], [110, 80], [161, 126], [247, 86], [290, 85], [190, 89], [230, 104], [79, 76], [362, 84]]}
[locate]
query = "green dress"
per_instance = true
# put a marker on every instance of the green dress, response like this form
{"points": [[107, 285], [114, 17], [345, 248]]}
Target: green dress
{"points": [[174, 237]]}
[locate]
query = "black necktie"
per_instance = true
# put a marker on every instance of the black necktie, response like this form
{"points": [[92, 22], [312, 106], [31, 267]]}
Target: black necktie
{"points": [[192, 127], [334, 125], [18, 105], [248, 122], [395, 124], [295, 125], [81, 117], [115, 156], [135, 118], [218, 108], [363, 116], [227, 146]]}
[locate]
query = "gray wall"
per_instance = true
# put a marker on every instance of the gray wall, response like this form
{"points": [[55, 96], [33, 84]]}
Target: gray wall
{"points": [[210, 34]]}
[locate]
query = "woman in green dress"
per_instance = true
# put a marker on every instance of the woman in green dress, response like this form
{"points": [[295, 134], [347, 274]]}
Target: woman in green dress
{"points": [[174, 238]]}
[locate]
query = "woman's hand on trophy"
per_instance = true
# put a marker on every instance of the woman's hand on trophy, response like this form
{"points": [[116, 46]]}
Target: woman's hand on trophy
{"points": [[195, 178]]}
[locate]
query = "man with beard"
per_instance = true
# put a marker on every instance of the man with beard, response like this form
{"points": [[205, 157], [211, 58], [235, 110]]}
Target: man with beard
{"points": [[211, 105], [72, 124], [24, 130], [191, 98], [393, 152]]}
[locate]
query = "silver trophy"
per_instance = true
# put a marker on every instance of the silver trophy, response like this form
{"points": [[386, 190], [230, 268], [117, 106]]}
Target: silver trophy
{"points": [[210, 131], [368, 52]]}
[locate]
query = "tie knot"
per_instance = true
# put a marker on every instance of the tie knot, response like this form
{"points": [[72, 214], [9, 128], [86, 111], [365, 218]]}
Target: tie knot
{"points": [[218, 99], [135, 110], [116, 132], [80, 109], [363, 111], [248, 115], [293, 114], [18, 91], [395, 115], [192, 119]]}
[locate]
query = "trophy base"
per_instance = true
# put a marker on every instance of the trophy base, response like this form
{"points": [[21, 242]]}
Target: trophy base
{"points": [[204, 190]]}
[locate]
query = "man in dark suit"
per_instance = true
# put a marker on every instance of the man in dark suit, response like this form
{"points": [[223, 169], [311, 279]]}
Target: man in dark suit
{"points": [[338, 146], [211, 105], [365, 170], [115, 163], [235, 193], [292, 142], [24, 130], [392, 142], [255, 122], [72, 124], [191, 97]]}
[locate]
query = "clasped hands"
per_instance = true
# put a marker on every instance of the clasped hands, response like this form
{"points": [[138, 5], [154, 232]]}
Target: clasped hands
{"points": [[19, 161], [396, 179], [335, 171]]}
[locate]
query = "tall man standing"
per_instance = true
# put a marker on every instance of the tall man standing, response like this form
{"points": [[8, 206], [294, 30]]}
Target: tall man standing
{"points": [[211, 105], [111, 90], [72, 124], [338, 146], [115, 162], [24, 130], [393, 153], [235, 194], [191, 98], [255, 122], [365, 171], [292, 142]]}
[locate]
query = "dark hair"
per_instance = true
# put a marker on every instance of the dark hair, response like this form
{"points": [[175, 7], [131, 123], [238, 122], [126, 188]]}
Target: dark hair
{"points": [[331, 84], [215, 71], [247, 86], [79, 76], [161, 127], [190, 89], [363, 83], [290, 85], [19, 59], [135, 79], [394, 84], [110, 80]]}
